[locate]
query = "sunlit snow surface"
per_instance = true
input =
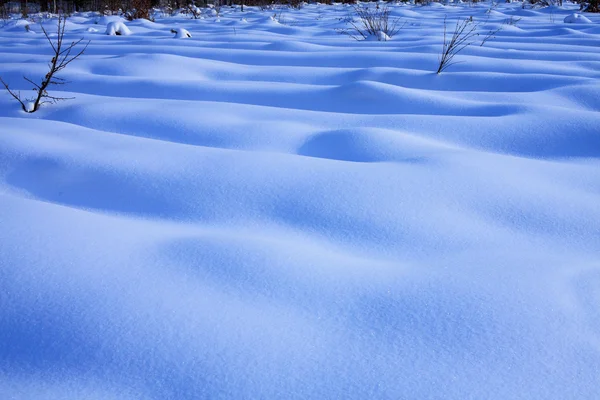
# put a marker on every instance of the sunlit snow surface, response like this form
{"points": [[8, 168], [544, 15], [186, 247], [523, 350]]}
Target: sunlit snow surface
{"points": [[273, 210]]}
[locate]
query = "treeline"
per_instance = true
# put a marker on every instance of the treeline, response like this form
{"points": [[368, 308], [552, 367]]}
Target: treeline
{"points": [[142, 8], [69, 6]]}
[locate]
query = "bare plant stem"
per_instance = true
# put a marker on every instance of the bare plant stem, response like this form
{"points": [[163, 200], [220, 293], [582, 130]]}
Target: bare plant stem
{"points": [[462, 37], [63, 56]]}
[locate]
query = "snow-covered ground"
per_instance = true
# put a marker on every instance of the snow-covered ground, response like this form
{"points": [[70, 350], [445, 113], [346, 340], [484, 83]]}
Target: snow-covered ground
{"points": [[272, 210]]}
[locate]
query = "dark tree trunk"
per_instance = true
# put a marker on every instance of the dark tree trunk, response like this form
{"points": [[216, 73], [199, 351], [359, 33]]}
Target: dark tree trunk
{"points": [[24, 12]]}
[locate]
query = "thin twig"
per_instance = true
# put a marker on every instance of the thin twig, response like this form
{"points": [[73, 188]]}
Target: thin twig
{"points": [[61, 59]]}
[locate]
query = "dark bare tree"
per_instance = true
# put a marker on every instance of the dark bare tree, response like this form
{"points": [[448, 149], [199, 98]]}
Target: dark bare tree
{"points": [[24, 9], [63, 56], [4, 16]]}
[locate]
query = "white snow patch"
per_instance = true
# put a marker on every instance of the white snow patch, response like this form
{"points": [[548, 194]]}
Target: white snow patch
{"points": [[117, 28], [181, 33], [576, 18]]}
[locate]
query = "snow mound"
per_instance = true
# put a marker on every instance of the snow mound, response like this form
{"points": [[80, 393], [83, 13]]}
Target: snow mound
{"points": [[19, 26], [379, 37], [383, 37], [181, 33], [577, 19], [117, 28]]}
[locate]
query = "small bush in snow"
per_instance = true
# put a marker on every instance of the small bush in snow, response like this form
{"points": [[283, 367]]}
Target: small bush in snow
{"points": [[194, 11], [217, 8], [462, 37], [372, 22], [279, 17], [512, 21], [139, 9], [62, 57], [544, 3], [297, 4]]}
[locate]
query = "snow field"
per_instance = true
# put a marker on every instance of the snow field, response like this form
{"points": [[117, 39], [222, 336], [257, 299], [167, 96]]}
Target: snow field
{"points": [[275, 210]]}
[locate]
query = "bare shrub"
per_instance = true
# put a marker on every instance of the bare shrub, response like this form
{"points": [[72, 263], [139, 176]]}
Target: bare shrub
{"points": [[372, 22], [139, 9], [217, 8], [297, 4], [111, 7], [278, 16], [462, 37], [194, 11], [512, 21], [63, 56], [593, 6], [543, 3]]}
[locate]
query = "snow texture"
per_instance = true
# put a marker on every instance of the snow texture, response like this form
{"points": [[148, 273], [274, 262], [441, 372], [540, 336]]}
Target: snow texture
{"points": [[277, 211]]}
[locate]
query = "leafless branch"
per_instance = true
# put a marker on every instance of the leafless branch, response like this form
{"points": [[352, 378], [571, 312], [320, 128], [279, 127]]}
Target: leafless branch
{"points": [[491, 34], [16, 96], [61, 59]]}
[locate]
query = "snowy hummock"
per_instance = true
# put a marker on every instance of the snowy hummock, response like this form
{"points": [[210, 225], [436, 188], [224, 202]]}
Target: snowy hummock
{"points": [[278, 211], [181, 33], [577, 19], [117, 28]]}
